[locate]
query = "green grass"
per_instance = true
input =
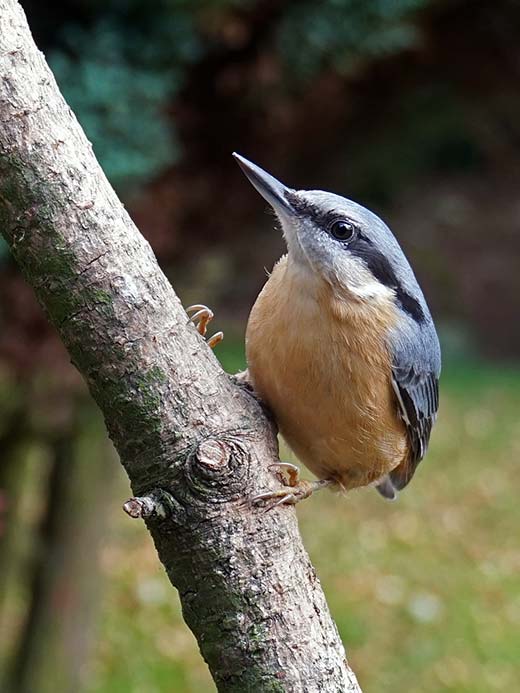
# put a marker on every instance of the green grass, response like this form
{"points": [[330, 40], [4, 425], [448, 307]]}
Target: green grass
{"points": [[425, 591]]}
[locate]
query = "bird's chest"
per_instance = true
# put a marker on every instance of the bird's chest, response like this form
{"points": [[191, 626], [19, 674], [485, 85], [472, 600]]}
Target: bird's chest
{"points": [[324, 370], [306, 359]]}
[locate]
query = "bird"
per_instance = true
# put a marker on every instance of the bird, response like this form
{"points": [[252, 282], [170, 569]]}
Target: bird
{"points": [[341, 346]]}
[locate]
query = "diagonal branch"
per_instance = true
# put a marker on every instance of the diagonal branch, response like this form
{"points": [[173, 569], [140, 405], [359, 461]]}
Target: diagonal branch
{"points": [[193, 444]]}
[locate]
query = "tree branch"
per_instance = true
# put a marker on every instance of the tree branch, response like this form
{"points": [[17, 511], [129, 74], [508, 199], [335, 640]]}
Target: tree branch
{"points": [[193, 444]]}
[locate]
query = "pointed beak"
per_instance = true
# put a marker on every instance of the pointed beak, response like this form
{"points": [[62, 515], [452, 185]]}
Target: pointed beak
{"points": [[271, 189]]}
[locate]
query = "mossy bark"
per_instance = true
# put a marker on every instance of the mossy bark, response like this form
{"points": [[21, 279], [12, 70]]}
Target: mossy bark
{"points": [[184, 431]]}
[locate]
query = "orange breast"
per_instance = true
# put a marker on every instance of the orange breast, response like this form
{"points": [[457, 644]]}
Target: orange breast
{"points": [[319, 361]]}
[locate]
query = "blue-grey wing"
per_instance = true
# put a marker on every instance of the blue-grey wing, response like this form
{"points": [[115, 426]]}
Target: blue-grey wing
{"points": [[415, 380]]}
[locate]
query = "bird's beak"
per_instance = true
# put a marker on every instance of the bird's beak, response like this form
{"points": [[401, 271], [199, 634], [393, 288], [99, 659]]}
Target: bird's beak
{"points": [[271, 189]]}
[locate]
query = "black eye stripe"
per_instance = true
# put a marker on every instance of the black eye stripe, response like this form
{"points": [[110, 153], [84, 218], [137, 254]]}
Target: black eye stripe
{"points": [[410, 305], [318, 216], [383, 271], [321, 218], [364, 238], [376, 262], [363, 248]]}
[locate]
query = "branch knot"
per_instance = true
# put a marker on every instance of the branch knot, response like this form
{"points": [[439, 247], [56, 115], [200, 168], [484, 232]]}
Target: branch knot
{"points": [[158, 504], [216, 468], [213, 454]]}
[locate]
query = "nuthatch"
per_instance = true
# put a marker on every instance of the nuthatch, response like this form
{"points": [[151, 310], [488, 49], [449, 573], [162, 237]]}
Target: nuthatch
{"points": [[341, 345]]}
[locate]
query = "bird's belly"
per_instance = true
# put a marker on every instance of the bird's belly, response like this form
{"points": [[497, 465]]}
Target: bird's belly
{"points": [[334, 406]]}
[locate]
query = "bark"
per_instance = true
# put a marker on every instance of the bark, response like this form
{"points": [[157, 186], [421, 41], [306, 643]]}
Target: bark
{"points": [[195, 446]]}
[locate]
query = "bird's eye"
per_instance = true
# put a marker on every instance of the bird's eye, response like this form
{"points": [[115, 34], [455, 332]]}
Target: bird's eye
{"points": [[342, 230]]}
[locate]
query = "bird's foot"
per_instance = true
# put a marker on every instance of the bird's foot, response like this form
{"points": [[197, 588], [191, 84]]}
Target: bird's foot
{"points": [[202, 315], [294, 489], [289, 474]]}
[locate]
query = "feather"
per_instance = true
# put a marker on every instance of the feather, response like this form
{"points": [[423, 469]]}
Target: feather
{"points": [[417, 394]]}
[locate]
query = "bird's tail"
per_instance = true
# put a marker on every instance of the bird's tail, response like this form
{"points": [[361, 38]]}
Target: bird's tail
{"points": [[386, 488]]}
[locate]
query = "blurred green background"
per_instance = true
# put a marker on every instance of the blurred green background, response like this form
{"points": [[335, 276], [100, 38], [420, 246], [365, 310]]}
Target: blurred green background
{"points": [[412, 108]]}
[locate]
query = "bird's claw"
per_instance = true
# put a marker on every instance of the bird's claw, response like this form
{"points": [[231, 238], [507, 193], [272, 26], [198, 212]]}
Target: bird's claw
{"points": [[216, 339], [290, 495], [202, 315], [288, 473]]}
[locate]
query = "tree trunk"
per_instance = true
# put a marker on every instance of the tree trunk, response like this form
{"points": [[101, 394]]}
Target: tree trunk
{"points": [[195, 446]]}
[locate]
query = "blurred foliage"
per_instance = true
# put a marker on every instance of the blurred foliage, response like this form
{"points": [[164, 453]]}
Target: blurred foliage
{"points": [[118, 104], [4, 250], [378, 99], [122, 66], [119, 76], [120, 69], [342, 33], [427, 135]]}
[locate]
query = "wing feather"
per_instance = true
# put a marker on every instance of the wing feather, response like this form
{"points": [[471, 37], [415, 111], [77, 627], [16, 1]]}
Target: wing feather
{"points": [[417, 395]]}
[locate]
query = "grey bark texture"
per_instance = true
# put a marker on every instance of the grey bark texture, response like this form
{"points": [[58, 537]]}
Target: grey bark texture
{"points": [[194, 444]]}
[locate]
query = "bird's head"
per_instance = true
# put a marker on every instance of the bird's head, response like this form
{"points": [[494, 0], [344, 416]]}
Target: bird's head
{"points": [[340, 241]]}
